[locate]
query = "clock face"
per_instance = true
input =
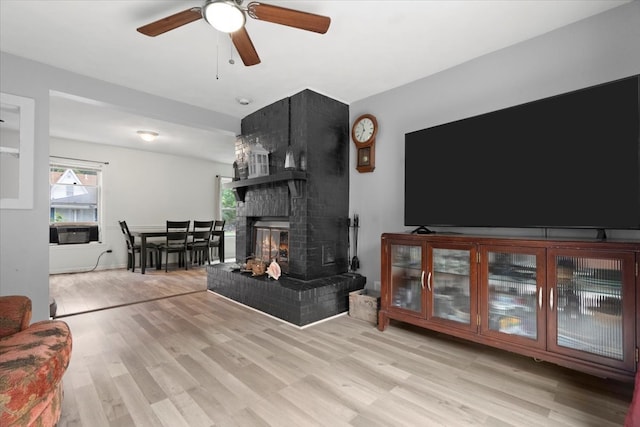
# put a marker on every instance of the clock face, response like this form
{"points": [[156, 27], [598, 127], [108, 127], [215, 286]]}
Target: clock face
{"points": [[363, 130]]}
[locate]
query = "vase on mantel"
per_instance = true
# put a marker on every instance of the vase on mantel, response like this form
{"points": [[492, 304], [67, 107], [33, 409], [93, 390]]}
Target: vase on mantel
{"points": [[303, 161]]}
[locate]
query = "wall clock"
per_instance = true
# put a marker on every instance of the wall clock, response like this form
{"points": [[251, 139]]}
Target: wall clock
{"points": [[363, 133]]}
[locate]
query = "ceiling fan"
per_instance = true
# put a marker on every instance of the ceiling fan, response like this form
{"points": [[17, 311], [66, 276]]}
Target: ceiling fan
{"points": [[229, 16]]}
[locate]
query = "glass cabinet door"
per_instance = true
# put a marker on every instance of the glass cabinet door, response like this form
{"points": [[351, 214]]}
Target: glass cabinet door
{"points": [[591, 305], [451, 282], [513, 294], [406, 277]]}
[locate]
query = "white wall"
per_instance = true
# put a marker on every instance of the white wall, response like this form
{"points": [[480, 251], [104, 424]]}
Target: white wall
{"points": [[24, 234], [143, 188], [596, 50]]}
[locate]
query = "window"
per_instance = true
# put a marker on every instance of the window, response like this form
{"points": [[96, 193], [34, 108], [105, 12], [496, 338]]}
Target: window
{"points": [[74, 193], [227, 205]]}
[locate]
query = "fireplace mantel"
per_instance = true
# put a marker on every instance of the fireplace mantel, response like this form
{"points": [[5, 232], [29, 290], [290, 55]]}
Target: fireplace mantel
{"points": [[293, 178]]}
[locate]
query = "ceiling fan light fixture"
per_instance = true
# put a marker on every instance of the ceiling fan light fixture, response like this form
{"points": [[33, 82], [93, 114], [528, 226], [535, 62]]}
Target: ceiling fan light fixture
{"points": [[147, 135], [224, 15]]}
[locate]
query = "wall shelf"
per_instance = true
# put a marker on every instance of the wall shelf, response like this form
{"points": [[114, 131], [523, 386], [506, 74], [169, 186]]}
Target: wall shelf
{"points": [[18, 145], [10, 150], [293, 179]]}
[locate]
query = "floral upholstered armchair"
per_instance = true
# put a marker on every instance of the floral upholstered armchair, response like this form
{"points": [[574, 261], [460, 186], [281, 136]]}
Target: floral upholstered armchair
{"points": [[33, 360]]}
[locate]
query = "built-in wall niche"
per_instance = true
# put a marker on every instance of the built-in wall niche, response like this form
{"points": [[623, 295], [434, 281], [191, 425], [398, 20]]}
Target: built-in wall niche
{"points": [[16, 151]]}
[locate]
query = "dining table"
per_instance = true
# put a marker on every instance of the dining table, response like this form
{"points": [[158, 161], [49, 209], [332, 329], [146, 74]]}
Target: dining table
{"points": [[145, 234]]}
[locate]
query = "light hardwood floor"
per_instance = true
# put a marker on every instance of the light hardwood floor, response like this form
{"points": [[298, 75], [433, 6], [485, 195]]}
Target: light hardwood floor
{"points": [[82, 292], [202, 360]]}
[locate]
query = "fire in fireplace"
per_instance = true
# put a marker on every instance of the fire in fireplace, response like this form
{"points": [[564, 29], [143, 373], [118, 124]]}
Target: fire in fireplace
{"points": [[271, 242]]}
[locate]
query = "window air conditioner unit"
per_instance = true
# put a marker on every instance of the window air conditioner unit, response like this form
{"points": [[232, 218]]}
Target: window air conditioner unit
{"points": [[72, 234]]}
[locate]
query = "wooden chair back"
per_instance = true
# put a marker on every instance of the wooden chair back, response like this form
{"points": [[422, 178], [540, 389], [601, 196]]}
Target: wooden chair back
{"points": [[127, 234], [177, 234]]}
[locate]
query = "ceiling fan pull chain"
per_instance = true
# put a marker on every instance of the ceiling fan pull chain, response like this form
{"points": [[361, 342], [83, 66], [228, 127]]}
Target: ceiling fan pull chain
{"points": [[217, 50]]}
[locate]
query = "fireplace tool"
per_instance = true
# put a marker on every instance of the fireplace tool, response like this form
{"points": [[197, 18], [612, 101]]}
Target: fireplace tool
{"points": [[355, 262], [349, 243]]}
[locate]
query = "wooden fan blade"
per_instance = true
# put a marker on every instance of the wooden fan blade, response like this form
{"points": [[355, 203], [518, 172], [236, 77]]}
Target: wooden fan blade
{"points": [[289, 17], [244, 46], [171, 22]]}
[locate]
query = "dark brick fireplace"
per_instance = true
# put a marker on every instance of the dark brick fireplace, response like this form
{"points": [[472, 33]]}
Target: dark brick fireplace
{"points": [[312, 200]]}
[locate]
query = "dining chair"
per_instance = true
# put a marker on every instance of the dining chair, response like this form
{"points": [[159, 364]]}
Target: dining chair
{"points": [[176, 242], [198, 246], [135, 248], [216, 239]]}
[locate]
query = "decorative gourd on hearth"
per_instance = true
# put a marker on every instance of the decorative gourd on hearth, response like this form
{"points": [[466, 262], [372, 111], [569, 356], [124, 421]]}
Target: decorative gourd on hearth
{"points": [[274, 270]]}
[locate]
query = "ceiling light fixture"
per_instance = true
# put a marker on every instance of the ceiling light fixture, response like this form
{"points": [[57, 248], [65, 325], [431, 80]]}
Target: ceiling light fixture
{"points": [[243, 101], [147, 135], [224, 15]]}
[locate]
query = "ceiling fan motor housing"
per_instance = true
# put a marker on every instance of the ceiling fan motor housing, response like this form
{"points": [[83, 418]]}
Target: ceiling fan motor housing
{"points": [[224, 15]]}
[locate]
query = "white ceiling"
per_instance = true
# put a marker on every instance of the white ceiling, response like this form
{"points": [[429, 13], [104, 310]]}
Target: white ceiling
{"points": [[371, 47]]}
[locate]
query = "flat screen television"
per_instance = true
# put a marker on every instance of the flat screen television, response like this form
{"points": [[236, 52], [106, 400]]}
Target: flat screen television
{"points": [[568, 161]]}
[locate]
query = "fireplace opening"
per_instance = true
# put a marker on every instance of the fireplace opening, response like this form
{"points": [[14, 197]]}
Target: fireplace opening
{"points": [[271, 242]]}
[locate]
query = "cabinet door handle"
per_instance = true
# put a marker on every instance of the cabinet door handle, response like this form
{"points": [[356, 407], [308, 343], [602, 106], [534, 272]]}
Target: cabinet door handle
{"points": [[422, 279], [429, 281], [551, 298], [540, 298]]}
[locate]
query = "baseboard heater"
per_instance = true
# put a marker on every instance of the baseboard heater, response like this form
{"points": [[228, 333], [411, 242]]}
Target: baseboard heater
{"points": [[73, 234]]}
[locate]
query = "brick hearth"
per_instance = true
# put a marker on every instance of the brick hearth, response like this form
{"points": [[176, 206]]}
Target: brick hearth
{"points": [[300, 302]]}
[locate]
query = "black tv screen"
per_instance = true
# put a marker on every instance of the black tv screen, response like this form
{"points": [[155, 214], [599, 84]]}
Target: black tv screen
{"points": [[568, 161]]}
